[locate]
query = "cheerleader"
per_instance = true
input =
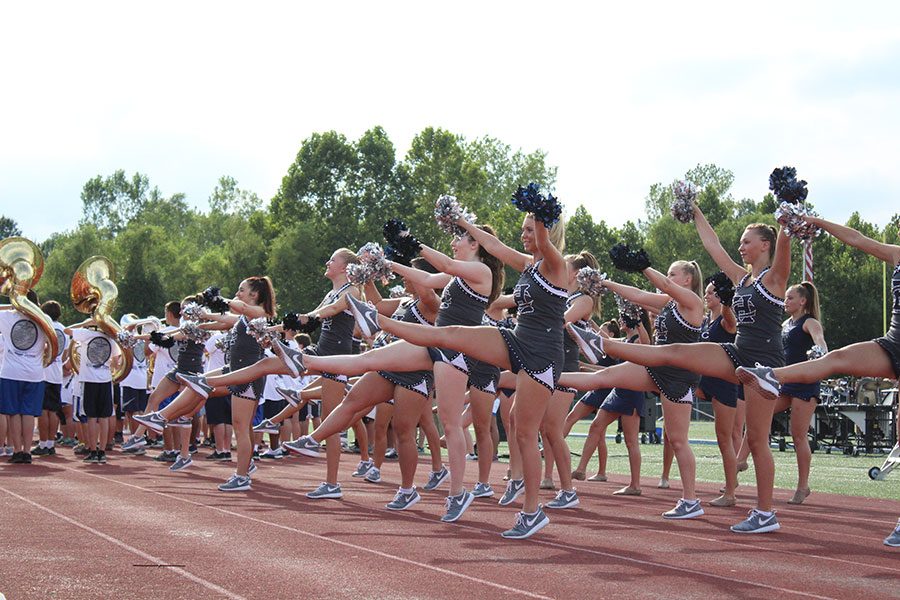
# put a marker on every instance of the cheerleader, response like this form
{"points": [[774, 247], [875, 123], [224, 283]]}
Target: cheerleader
{"points": [[758, 304], [720, 326], [533, 350]]}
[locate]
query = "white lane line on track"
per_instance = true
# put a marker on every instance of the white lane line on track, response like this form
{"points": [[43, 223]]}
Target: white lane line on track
{"points": [[148, 557], [322, 538], [646, 563]]}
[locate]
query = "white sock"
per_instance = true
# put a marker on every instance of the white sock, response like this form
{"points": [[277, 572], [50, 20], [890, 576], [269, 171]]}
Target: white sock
{"points": [[404, 490], [765, 513]]}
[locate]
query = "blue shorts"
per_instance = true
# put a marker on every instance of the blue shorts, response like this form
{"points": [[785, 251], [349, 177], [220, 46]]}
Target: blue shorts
{"points": [[167, 401], [258, 416], [595, 398], [21, 397], [624, 402]]}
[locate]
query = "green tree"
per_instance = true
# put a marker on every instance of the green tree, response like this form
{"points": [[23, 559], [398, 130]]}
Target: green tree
{"points": [[8, 227]]}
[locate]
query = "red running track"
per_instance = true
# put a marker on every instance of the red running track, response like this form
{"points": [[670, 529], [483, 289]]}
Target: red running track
{"points": [[133, 529]]}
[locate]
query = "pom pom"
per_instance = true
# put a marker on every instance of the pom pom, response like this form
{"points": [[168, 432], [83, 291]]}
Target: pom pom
{"points": [[373, 257], [629, 312], [529, 199], [787, 188], [590, 281], [126, 339], [792, 218], [447, 211], [626, 259], [397, 234], [210, 293], [291, 321], [192, 311], [815, 352], [359, 274], [221, 343], [312, 323], [393, 255], [723, 287], [685, 196], [193, 332], [398, 291], [258, 329], [161, 340]]}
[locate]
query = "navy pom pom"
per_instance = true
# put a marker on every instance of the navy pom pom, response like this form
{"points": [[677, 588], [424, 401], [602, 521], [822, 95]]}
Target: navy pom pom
{"points": [[626, 259], [403, 242], [787, 188], [291, 321], [529, 199], [161, 340], [723, 287]]}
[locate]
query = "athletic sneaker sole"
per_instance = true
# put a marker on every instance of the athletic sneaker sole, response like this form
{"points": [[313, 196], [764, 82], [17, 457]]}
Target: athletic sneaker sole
{"points": [[303, 451], [766, 529], [692, 515], [537, 527], [412, 503], [469, 499], [749, 379]]}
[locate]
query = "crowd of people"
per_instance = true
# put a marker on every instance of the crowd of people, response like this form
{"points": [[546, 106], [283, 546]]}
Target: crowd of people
{"points": [[449, 350]]}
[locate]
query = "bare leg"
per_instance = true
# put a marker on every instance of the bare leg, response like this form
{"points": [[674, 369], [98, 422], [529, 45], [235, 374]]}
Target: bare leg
{"points": [[626, 375], [759, 424], [509, 425], [596, 439], [724, 416], [426, 424], [801, 414], [668, 456], [578, 412], [480, 405], [451, 392], [553, 425], [242, 411], [703, 358], [399, 356], [737, 433], [678, 421], [482, 343], [528, 410], [271, 365], [332, 395], [865, 359], [407, 413], [384, 412], [631, 424], [549, 457], [369, 391]]}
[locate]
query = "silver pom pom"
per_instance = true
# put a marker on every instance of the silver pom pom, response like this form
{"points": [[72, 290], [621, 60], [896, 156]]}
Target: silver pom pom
{"points": [[221, 343], [628, 310], [193, 332], [258, 329], [792, 218], [398, 291], [683, 206], [447, 211], [815, 352], [192, 312], [376, 266], [359, 274], [126, 339], [590, 281]]}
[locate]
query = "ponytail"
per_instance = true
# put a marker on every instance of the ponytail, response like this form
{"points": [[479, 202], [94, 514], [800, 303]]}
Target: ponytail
{"points": [[265, 293], [809, 292], [498, 273]]}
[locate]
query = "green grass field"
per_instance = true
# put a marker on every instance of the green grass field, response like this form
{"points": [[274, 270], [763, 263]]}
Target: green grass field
{"points": [[834, 473]]}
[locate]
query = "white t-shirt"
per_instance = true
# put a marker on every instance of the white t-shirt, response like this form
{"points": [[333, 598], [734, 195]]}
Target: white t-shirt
{"points": [[269, 392], [215, 357], [137, 378], [54, 372], [96, 350], [166, 359], [24, 343]]}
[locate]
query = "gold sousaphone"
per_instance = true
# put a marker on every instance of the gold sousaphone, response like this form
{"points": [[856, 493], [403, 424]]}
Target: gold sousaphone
{"points": [[21, 267], [95, 293]]}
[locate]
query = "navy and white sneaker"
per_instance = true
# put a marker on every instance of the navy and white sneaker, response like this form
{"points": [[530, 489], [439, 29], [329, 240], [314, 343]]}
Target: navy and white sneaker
{"points": [[363, 468], [366, 316], [373, 476], [564, 499], [527, 525], [196, 383], [762, 379], [181, 463], [483, 490], [276, 453], [252, 468], [326, 490], [437, 478], [181, 422], [403, 501], [134, 443], [292, 396], [266, 426], [457, 505], [153, 421], [893, 540], [236, 483], [590, 343], [684, 509], [757, 523], [514, 489], [292, 359], [304, 445]]}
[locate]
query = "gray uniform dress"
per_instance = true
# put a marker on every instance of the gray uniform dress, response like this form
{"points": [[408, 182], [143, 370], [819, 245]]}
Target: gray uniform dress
{"points": [[190, 359], [337, 333], [759, 314], [890, 342], [670, 327], [461, 305], [570, 348], [243, 352], [536, 343], [421, 382]]}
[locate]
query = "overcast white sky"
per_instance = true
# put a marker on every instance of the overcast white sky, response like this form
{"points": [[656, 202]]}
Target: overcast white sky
{"points": [[619, 95]]}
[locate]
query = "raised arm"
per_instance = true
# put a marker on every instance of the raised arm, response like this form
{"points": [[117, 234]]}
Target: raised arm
{"points": [[492, 245], [553, 265], [687, 300], [889, 253], [776, 278], [242, 308], [434, 281], [654, 302], [581, 309], [714, 248], [336, 307], [385, 306], [729, 320], [475, 272]]}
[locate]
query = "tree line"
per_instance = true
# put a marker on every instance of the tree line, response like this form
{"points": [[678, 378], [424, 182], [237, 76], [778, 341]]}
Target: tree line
{"points": [[338, 193]]}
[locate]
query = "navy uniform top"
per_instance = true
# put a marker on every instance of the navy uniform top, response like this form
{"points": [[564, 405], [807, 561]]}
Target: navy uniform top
{"points": [[712, 331], [460, 305], [337, 331], [796, 341], [244, 349], [759, 314], [672, 328], [536, 343], [570, 348]]}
